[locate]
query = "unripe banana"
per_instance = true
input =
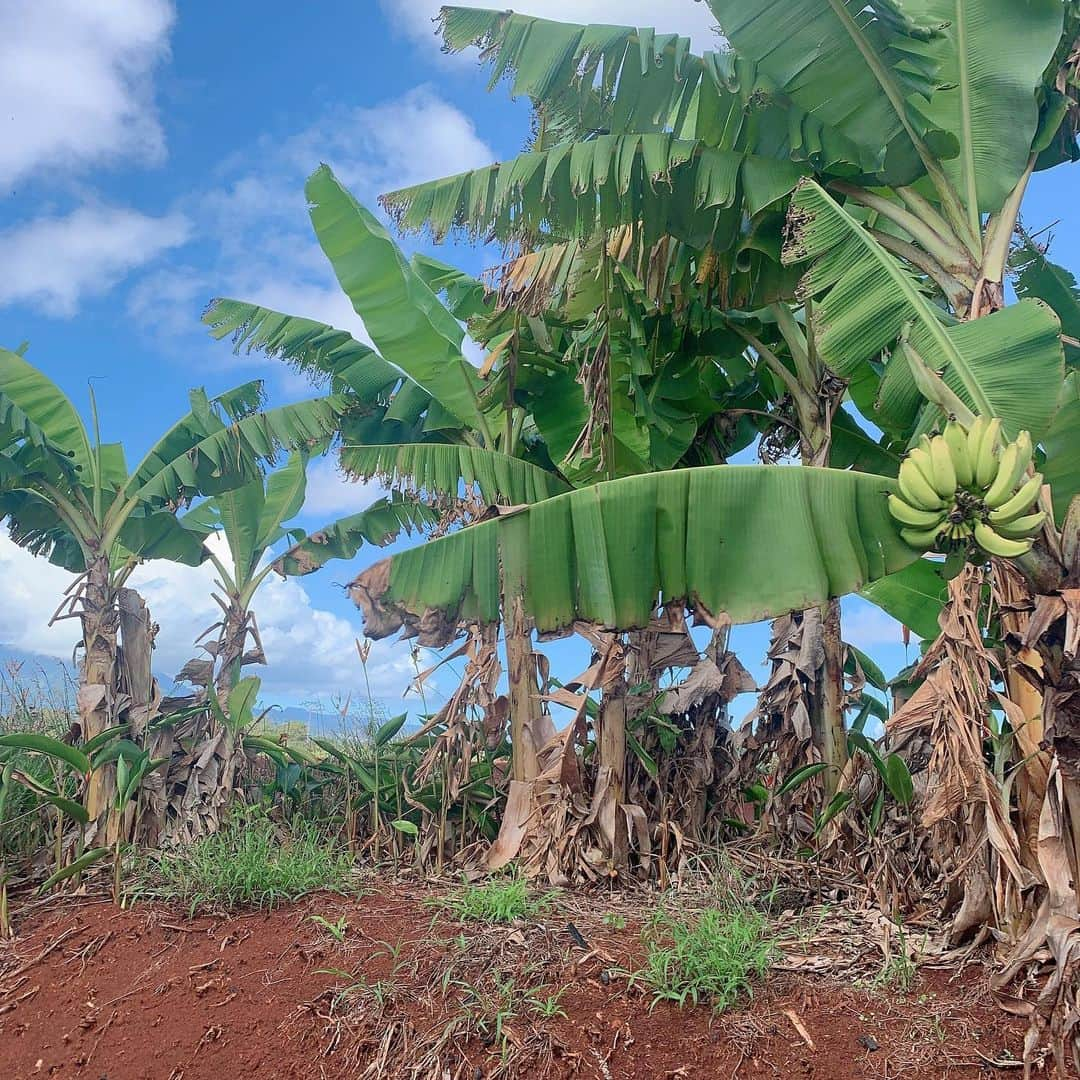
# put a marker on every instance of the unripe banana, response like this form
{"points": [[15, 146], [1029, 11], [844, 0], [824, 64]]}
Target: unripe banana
{"points": [[986, 465], [1014, 463], [922, 461], [1019, 504], [995, 544], [921, 539], [1024, 528], [944, 470], [910, 515], [974, 441], [1005, 482], [915, 488], [957, 441]]}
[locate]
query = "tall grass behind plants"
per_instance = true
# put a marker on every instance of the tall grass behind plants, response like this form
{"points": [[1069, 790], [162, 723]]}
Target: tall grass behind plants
{"points": [[32, 699], [252, 861]]}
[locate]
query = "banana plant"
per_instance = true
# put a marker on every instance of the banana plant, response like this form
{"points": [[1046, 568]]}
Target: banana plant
{"points": [[69, 496], [254, 518]]}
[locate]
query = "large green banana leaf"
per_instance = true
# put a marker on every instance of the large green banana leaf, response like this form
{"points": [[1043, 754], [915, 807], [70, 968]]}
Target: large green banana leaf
{"points": [[750, 541], [34, 408], [206, 417], [914, 596], [440, 469], [232, 455], [614, 78], [312, 347], [1009, 364], [589, 79], [379, 524], [1039, 278], [1062, 442], [285, 491], [848, 62], [990, 58], [668, 186], [405, 319]]}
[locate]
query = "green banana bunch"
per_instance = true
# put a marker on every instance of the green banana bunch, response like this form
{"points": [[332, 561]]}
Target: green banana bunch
{"points": [[961, 490]]}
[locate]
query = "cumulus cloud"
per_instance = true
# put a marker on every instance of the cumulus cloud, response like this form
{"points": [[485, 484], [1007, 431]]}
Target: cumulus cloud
{"points": [[868, 627], [692, 18], [310, 650], [76, 83], [330, 494], [53, 263], [404, 141], [267, 253]]}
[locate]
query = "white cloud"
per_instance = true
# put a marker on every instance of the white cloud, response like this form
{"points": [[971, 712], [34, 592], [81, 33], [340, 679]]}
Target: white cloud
{"points": [[76, 83], [330, 494], [692, 18], [868, 627], [394, 144], [54, 262], [309, 649], [267, 253]]}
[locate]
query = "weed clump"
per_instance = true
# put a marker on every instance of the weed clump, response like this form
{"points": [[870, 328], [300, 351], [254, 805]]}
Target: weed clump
{"points": [[250, 862], [498, 901], [712, 958]]}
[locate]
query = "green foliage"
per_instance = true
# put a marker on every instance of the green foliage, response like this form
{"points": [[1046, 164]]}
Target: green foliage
{"points": [[495, 901], [751, 541], [251, 862], [712, 958]]}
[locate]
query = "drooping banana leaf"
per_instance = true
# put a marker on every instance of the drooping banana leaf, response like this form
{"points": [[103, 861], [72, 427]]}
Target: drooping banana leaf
{"points": [[665, 185], [749, 541], [914, 596], [591, 79], [615, 78], [1009, 364], [405, 319], [442, 469], [314, 348], [285, 491], [379, 524]]}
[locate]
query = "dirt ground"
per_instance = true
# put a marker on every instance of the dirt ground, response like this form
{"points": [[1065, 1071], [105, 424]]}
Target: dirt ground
{"points": [[408, 991]]}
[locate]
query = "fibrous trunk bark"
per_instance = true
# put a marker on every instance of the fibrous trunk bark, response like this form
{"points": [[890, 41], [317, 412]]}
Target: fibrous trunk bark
{"points": [[827, 715], [611, 750], [523, 690], [97, 694]]}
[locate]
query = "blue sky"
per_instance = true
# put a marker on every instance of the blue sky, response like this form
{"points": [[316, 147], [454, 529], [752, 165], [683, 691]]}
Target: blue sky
{"points": [[152, 156]]}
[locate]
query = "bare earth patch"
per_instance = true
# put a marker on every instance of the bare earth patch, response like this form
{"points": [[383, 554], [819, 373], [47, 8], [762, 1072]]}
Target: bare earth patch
{"points": [[389, 986]]}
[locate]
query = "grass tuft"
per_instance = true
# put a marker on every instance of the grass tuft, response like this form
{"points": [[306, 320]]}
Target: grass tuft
{"points": [[711, 959], [499, 901], [249, 862]]}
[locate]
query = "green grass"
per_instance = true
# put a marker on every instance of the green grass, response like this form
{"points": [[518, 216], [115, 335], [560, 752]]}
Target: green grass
{"points": [[499, 901], [713, 958], [251, 862]]}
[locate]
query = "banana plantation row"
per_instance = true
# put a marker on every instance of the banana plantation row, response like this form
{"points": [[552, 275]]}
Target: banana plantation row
{"points": [[799, 245]]}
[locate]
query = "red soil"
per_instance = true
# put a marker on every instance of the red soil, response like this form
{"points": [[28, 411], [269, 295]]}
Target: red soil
{"points": [[149, 995]]}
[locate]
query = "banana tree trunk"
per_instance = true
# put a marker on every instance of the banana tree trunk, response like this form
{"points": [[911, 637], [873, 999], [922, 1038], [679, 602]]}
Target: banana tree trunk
{"points": [[146, 818], [827, 716], [230, 651], [97, 693], [524, 694], [611, 750], [520, 663]]}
